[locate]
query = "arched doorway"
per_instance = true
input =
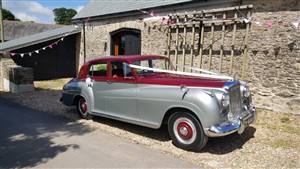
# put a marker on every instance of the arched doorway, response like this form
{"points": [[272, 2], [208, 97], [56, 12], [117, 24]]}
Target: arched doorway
{"points": [[126, 41]]}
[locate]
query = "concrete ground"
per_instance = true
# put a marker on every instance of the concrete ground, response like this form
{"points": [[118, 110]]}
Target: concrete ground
{"points": [[29, 138]]}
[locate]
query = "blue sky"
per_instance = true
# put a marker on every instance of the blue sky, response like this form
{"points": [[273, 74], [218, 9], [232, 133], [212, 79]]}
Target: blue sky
{"points": [[40, 10]]}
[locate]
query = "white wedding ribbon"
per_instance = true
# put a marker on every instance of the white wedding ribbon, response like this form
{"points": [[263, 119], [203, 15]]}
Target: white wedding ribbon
{"points": [[212, 76], [197, 69]]}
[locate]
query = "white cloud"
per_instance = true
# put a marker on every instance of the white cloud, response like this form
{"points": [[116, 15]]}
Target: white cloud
{"points": [[78, 9], [36, 7], [29, 10], [26, 17]]}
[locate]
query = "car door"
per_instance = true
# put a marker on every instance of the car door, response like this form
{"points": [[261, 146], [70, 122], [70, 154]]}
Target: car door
{"points": [[100, 86], [121, 96]]}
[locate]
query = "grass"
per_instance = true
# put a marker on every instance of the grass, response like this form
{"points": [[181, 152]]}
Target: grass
{"points": [[285, 129], [278, 121], [56, 84], [284, 143]]}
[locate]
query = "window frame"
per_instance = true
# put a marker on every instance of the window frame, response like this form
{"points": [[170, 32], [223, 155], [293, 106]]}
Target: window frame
{"points": [[124, 78], [98, 77]]}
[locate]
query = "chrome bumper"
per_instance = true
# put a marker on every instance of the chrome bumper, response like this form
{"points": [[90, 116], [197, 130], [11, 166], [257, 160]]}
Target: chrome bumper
{"points": [[228, 127]]}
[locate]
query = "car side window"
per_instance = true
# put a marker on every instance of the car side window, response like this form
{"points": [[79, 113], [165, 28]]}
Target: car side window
{"points": [[98, 70], [120, 69]]}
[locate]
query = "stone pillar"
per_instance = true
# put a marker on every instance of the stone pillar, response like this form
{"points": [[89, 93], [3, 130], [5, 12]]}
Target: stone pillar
{"points": [[20, 79], [14, 78], [5, 61]]}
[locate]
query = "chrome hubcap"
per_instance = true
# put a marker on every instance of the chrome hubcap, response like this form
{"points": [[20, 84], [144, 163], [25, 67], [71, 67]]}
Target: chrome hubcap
{"points": [[82, 106], [184, 130]]}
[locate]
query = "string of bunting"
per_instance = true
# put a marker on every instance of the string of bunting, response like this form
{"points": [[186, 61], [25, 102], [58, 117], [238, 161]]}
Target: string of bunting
{"points": [[165, 20], [40, 49]]}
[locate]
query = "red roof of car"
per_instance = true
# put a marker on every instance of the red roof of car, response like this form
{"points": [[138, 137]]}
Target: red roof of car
{"points": [[128, 58]]}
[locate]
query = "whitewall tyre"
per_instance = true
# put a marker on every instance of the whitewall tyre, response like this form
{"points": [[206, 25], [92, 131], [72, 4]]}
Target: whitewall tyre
{"points": [[82, 109], [186, 131]]}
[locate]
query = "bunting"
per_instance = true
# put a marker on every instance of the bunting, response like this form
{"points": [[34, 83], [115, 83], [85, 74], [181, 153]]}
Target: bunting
{"points": [[37, 51]]}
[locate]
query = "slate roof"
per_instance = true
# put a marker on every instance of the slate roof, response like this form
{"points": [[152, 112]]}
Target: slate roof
{"points": [[107, 7], [38, 38], [18, 29]]}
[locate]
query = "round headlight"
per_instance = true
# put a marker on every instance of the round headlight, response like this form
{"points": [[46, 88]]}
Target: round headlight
{"points": [[225, 100], [245, 91]]}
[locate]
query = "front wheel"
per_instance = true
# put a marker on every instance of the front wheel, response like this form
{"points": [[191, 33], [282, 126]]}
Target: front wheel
{"points": [[82, 109], [186, 131]]}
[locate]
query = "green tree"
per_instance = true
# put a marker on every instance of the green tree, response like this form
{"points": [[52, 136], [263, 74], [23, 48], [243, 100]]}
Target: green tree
{"points": [[63, 16], [7, 15]]}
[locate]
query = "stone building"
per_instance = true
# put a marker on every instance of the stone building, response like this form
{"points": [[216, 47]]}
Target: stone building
{"points": [[273, 66]]}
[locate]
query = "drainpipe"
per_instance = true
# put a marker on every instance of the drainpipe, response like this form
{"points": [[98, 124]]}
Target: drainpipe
{"points": [[1, 23], [84, 43]]}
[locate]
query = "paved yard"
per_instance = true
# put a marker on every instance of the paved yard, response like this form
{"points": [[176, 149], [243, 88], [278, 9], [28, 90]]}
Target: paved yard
{"points": [[273, 142], [30, 138]]}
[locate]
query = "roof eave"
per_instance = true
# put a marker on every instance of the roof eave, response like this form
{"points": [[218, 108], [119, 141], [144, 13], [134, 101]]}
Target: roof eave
{"points": [[180, 6], [37, 41]]}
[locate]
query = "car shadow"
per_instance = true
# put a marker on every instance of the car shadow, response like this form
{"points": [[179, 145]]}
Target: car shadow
{"points": [[227, 144], [28, 136], [218, 146], [160, 134]]}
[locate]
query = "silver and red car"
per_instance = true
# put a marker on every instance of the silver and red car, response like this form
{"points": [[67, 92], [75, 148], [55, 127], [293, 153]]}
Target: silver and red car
{"points": [[147, 91]]}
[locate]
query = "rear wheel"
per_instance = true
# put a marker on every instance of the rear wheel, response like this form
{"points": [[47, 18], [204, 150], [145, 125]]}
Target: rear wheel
{"points": [[82, 109], [186, 131]]}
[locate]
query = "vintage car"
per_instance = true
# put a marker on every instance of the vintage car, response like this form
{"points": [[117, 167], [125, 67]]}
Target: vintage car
{"points": [[147, 91]]}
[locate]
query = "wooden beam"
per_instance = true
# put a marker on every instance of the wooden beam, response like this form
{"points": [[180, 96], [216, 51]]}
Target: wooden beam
{"points": [[222, 44], [245, 57], [184, 44], [211, 45], [233, 45], [192, 47], [226, 9], [201, 44], [176, 44], [169, 42]]}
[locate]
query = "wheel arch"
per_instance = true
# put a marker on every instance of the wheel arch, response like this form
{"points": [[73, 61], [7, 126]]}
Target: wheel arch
{"points": [[76, 99], [172, 110]]}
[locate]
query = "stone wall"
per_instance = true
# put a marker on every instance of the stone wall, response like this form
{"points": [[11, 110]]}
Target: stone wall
{"points": [[274, 55], [5, 63]]}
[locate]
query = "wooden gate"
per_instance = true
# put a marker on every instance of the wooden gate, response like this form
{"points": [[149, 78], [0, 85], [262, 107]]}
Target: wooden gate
{"points": [[215, 40]]}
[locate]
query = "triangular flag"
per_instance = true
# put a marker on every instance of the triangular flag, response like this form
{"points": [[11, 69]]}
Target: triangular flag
{"points": [[152, 13], [37, 51], [62, 39], [296, 24], [22, 54], [50, 46], [246, 20], [12, 54], [258, 23], [44, 48], [29, 53], [269, 24]]}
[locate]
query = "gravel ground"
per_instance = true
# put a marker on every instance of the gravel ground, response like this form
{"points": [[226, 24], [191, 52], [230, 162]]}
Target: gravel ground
{"points": [[273, 142]]}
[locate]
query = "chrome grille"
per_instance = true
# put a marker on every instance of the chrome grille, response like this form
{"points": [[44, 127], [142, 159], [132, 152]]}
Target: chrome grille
{"points": [[235, 100]]}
